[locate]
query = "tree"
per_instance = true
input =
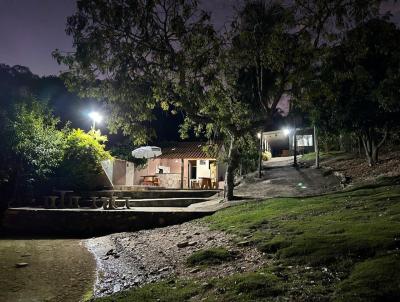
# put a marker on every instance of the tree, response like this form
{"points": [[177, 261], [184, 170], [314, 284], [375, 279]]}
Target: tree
{"points": [[171, 56], [35, 145], [358, 93]]}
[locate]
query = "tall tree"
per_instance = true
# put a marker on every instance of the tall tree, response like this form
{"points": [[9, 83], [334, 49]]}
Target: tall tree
{"points": [[357, 90]]}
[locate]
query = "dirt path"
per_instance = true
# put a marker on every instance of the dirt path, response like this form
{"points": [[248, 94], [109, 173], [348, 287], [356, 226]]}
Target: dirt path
{"points": [[280, 178]]}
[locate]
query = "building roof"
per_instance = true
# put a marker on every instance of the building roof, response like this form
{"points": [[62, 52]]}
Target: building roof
{"points": [[192, 150]]}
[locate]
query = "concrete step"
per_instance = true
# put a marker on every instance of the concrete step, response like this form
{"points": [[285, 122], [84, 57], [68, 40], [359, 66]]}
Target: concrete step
{"points": [[163, 202], [154, 194]]}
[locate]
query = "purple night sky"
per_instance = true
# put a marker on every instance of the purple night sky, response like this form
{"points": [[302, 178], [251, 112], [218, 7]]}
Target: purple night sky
{"points": [[31, 29]]}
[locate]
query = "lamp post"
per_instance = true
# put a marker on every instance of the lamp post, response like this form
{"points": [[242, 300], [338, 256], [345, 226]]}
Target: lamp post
{"points": [[96, 118], [259, 135]]}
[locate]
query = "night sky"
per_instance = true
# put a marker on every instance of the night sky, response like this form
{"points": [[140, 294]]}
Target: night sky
{"points": [[31, 29]]}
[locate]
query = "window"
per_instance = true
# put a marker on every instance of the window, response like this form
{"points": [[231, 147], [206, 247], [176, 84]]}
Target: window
{"points": [[305, 140]]}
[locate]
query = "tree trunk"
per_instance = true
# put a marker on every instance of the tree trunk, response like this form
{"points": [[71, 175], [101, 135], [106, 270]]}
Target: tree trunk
{"points": [[371, 147], [233, 162]]}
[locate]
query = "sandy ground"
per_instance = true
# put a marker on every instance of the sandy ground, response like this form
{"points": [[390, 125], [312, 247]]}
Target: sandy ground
{"points": [[126, 260]]}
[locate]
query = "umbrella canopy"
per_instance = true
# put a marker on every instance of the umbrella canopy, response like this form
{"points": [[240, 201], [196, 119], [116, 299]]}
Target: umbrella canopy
{"points": [[146, 152]]}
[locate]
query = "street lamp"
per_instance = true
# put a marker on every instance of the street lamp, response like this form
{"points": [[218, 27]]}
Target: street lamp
{"points": [[96, 118]]}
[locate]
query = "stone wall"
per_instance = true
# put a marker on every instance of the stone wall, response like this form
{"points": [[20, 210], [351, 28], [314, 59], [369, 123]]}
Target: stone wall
{"points": [[85, 223]]}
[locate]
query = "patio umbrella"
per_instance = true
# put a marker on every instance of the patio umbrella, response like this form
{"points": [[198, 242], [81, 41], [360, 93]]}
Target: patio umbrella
{"points": [[147, 152]]}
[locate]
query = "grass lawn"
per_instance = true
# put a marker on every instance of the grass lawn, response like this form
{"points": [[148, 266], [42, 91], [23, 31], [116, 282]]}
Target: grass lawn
{"points": [[337, 247], [311, 156]]}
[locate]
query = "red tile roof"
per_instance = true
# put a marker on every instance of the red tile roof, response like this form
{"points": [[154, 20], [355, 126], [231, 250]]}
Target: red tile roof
{"points": [[185, 150]]}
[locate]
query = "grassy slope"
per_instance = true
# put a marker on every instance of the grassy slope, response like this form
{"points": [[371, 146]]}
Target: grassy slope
{"points": [[337, 247]]}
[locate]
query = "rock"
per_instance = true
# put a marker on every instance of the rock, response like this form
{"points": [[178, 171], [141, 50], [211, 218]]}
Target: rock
{"points": [[182, 244], [206, 285], [26, 255], [117, 288], [243, 243], [196, 233], [188, 237], [116, 255], [21, 264], [104, 258], [163, 269], [192, 243], [110, 252], [210, 238], [195, 270]]}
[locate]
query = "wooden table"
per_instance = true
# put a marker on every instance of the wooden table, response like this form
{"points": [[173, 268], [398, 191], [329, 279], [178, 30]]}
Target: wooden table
{"points": [[205, 182], [151, 180]]}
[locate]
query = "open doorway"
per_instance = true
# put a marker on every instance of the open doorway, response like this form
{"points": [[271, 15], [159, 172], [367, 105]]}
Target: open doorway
{"points": [[192, 174]]}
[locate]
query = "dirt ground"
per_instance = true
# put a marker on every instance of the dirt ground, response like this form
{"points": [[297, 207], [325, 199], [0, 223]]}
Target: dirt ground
{"points": [[357, 168], [125, 260]]}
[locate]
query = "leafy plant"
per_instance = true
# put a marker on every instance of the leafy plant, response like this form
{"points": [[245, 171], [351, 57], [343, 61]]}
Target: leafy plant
{"points": [[84, 152]]}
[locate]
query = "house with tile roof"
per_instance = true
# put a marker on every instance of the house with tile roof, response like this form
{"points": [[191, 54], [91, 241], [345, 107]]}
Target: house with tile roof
{"points": [[183, 165]]}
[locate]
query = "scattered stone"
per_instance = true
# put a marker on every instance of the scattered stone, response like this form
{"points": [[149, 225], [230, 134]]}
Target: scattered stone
{"points": [[196, 233], [182, 244], [163, 269], [210, 238], [206, 285], [26, 255], [195, 270], [117, 288], [110, 252], [192, 243], [243, 243], [21, 264], [105, 258], [188, 237], [116, 255]]}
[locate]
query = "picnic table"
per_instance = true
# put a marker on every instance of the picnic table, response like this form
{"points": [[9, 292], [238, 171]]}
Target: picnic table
{"points": [[205, 182], [151, 180]]}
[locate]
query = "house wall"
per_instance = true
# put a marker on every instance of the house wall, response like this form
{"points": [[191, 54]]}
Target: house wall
{"points": [[172, 179]]}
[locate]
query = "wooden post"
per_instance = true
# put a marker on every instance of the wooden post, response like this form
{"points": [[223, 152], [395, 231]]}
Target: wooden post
{"points": [[260, 157], [294, 147], [316, 148], [182, 172]]}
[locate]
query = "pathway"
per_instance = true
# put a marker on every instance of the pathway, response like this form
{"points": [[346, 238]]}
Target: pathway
{"points": [[280, 178]]}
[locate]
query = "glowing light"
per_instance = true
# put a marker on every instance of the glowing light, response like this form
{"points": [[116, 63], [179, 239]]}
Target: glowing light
{"points": [[259, 135], [95, 116], [286, 131]]}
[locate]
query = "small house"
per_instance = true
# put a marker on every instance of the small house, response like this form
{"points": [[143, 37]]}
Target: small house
{"points": [[182, 165]]}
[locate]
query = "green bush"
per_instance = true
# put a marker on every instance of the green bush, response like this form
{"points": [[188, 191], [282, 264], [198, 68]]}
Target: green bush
{"points": [[266, 155], [82, 157]]}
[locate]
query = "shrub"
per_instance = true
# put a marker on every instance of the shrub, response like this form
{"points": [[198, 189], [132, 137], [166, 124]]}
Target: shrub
{"points": [[83, 155], [266, 155]]}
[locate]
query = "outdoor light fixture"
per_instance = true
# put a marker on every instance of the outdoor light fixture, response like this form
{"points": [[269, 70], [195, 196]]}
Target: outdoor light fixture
{"points": [[259, 135], [286, 131], [96, 118]]}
